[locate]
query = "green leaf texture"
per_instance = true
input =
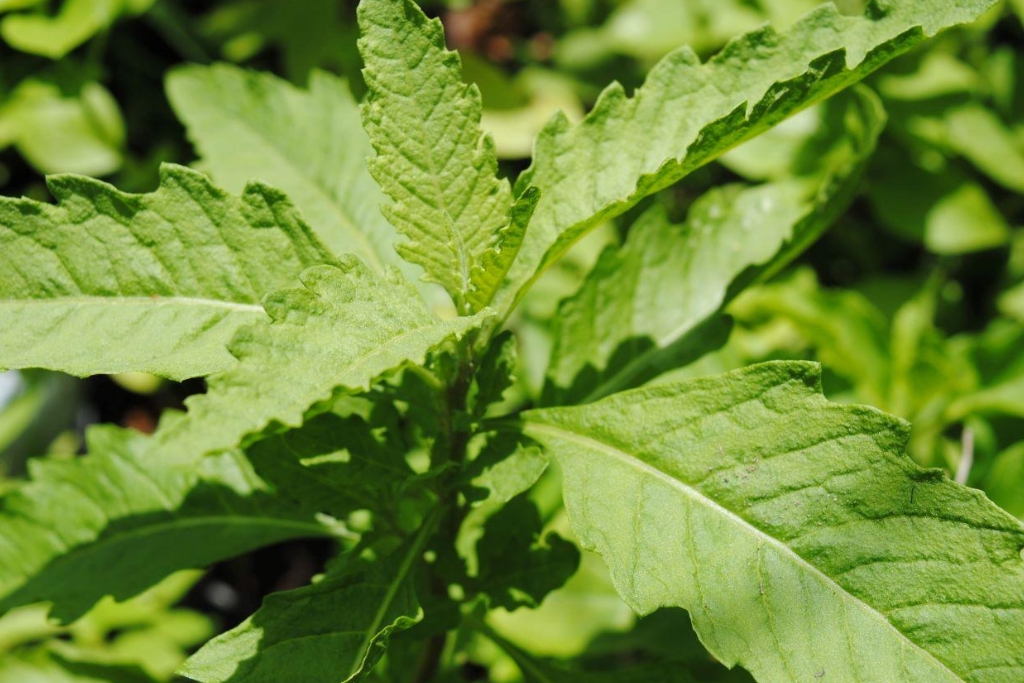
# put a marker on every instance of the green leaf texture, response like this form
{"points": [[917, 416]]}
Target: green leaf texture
{"points": [[340, 331], [648, 305], [802, 540], [688, 113], [117, 521], [433, 159], [108, 282], [310, 143], [332, 631]]}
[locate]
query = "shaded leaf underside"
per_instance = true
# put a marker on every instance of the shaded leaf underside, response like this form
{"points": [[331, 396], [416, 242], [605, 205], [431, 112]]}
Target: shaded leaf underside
{"points": [[117, 522]]}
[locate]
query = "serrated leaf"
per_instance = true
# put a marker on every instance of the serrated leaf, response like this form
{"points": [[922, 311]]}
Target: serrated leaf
{"points": [[108, 282], [339, 332], [797, 533], [310, 143], [332, 631], [688, 113], [433, 159], [650, 305], [118, 521]]}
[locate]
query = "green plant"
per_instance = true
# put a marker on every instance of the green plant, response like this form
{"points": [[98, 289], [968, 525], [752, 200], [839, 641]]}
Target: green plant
{"points": [[346, 402]]}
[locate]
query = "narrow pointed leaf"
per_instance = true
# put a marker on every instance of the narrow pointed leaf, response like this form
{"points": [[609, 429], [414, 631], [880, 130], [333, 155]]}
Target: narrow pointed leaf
{"points": [[433, 159], [339, 332], [803, 541], [117, 521], [332, 631], [688, 113], [649, 305], [310, 143], [108, 282]]}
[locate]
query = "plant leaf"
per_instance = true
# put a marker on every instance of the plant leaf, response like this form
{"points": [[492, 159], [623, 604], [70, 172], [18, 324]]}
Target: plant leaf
{"points": [[334, 465], [77, 22], [688, 113], [515, 566], [310, 143], [108, 282], [118, 521], [332, 631], [433, 159], [339, 332], [648, 305], [796, 532]]}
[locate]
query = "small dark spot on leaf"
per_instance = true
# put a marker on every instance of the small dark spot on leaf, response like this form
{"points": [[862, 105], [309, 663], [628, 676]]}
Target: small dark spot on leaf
{"points": [[820, 674]]}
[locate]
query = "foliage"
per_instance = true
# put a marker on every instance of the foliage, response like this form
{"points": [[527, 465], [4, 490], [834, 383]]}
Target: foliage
{"points": [[366, 293]]}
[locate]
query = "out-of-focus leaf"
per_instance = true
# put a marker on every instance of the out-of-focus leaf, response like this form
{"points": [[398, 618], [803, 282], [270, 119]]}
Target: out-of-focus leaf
{"points": [[1004, 483], [76, 22], [943, 208], [58, 132], [979, 136]]}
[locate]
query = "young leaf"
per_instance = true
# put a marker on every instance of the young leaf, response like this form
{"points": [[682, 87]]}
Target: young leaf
{"points": [[340, 331], [246, 123], [108, 282], [688, 112], [332, 631], [118, 521], [433, 159], [648, 305], [801, 539]]}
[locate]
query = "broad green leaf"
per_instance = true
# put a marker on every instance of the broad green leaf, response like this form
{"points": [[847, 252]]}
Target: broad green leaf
{"points": [[802, 540], [108, 282], [76, 22], [433, 159], [649, 305], [58, 132], [332, 631], [309, 143], [515, 566], [977, 133], [339, 332], [688, 113], [118, 521]]}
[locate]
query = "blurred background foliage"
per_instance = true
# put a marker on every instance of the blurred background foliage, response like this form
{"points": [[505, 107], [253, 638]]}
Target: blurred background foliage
{"points": [[913, 301]]}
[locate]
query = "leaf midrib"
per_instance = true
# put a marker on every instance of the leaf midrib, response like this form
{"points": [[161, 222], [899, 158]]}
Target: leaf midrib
{"points": [[701, 499], [117, 300]]}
